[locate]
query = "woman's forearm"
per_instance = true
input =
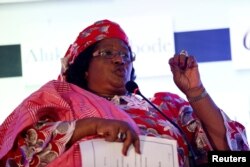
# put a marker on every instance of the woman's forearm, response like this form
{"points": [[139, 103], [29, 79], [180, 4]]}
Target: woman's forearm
{"points": [[83, 128], [211, 118]]}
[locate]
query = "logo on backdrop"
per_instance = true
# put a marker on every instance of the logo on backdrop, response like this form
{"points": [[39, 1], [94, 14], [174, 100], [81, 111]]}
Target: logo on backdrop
{"points": [[246, 40], [240, 44], [40, 62], [43, 54], [152, 40], [41, 59]]}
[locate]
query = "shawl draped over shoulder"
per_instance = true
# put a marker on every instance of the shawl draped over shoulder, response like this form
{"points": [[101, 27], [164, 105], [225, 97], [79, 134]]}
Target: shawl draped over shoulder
{"points": [[60, 101]]}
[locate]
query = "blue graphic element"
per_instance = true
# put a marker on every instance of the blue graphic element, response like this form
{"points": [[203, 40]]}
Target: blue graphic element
{"points": [[205, 45]]}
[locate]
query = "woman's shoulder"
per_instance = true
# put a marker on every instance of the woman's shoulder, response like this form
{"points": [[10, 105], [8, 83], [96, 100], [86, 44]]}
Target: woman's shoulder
{"points": [[169, 97], [166, 95], [57, 85]]}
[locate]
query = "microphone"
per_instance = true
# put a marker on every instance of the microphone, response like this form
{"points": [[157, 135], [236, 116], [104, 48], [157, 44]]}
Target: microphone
{"points": [[132, 87]]}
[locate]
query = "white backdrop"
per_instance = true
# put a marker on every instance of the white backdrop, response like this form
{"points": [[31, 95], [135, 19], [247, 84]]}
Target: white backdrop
{"points": [[46, 28]]}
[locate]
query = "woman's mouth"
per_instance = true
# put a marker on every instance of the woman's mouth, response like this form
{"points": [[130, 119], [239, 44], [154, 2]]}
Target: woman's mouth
{"points": [[121, 72]]}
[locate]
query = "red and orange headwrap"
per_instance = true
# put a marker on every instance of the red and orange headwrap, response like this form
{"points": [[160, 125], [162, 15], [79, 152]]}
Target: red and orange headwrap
{"points": [[99, 30]]}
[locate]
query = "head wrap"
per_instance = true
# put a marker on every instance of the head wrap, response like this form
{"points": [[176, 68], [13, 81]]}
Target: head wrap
{"points": [[99, 30]]}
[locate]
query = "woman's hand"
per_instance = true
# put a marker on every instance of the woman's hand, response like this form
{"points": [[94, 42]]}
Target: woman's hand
{"points": [[118, 131], [185, 72], [187, 78], [111, 130]]}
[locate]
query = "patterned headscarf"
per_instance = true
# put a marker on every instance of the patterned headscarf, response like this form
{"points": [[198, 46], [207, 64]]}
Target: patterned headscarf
{"points": [[99, 30]]}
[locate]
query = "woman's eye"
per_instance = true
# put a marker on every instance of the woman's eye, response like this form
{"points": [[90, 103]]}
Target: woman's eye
{"points": [[108, 53], [125, 55]]}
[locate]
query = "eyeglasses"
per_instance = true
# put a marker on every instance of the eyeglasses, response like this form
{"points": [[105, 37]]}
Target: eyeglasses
{"points": [[111, 54]]}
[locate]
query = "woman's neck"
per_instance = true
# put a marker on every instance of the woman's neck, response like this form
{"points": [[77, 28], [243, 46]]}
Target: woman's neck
{"points": [[105, 95], [108, 96]]}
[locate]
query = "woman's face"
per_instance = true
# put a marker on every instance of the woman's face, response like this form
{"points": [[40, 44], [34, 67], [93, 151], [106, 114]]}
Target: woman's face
{"points": [[110, 68]]}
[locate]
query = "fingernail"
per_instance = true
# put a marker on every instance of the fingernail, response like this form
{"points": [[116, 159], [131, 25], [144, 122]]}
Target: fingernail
{"points": [[184, 52], [100, 133]]}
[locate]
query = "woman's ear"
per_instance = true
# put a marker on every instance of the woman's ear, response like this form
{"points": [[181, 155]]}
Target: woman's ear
{"points": [[86, 75]]}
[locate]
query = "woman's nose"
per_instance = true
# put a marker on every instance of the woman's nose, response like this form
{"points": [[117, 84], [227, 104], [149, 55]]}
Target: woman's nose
{"points": [[118, 59]]}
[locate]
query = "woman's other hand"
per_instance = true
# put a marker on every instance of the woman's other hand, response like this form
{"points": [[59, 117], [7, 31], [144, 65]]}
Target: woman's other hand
{"points": [[118, 131], [111, 130]]}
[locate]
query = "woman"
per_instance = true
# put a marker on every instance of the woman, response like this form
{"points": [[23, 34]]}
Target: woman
{"points": [[89, 100]]}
